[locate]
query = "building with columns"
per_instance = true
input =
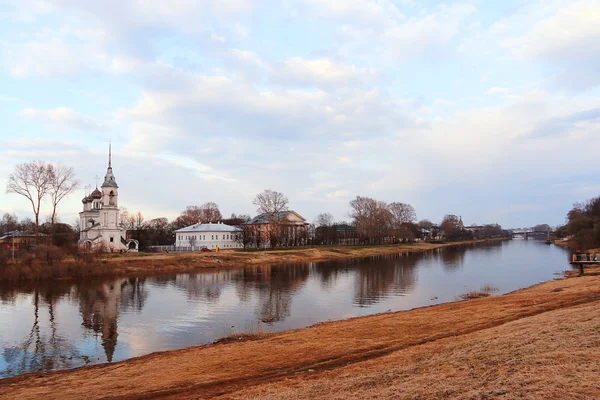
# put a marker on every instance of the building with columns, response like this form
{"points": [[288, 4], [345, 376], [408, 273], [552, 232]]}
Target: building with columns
{"points": [[284, 228], [99, 222]]}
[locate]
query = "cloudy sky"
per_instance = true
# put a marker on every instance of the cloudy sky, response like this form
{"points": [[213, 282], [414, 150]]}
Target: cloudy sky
{"points": [[489, 110]]}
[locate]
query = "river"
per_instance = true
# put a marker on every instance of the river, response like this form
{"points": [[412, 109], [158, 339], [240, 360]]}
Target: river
{"points": [[66, 324]]}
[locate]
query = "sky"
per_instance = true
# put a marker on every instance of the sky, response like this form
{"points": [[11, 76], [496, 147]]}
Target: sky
{"points": [[488, 110]]}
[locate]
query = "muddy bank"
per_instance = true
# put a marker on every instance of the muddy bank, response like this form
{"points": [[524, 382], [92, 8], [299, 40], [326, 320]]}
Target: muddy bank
{"points": [[540, 342]]}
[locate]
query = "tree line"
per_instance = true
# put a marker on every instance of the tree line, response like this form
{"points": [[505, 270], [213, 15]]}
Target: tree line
{"points": [[371, 221], [582, 225]]}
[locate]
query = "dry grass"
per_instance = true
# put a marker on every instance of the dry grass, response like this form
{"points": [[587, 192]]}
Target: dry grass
{"points": [[536, 343], [485, 291]]}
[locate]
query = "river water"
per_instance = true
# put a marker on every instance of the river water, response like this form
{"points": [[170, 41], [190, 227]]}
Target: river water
{"points": [[66, 324]]}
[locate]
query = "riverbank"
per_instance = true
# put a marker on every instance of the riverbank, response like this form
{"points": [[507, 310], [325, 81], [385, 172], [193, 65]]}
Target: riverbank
{"points": [[540, 342], [130, 264]]}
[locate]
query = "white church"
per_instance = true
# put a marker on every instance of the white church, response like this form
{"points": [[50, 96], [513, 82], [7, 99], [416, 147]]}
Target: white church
{"points": [[100, 222]]}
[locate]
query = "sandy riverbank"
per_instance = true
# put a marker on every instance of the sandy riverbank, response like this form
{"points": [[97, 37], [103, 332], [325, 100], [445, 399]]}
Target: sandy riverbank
{"points": [[542, 343]]}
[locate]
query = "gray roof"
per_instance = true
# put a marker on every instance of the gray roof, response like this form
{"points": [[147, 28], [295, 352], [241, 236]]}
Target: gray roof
{"points": [[266, 217], [209, 228], [20, 234]]}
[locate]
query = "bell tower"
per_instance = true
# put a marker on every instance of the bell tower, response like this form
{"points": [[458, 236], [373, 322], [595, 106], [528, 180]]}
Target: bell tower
{"points": [[109, 217]]}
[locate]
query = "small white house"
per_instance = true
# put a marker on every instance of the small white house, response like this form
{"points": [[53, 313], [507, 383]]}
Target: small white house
{"points": [[210, 236]]}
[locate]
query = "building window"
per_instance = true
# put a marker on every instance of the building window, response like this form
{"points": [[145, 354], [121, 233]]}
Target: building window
{"points": [[111, 239], [223, 237]]}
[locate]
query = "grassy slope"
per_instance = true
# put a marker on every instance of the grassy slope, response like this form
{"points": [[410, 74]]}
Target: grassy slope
{"points": [[541, 342]]}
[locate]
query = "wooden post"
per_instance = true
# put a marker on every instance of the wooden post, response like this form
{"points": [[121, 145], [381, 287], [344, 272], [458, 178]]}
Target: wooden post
{"points": [[580, 269]]}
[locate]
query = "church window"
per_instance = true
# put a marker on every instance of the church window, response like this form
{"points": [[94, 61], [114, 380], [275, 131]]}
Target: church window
{"points": [[111, 239], [223, 237], [111, 200], [212, 237]]}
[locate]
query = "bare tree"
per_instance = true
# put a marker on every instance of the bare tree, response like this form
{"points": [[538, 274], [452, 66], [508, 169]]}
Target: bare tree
{"points": [[401, 216], [138, 224], [32, 181], [210, 212], [402, 212], [323, 229], [62, 183], [425, 224], [127, 220], [324, 220], [272, 204], [371, 217], [8, 223]]}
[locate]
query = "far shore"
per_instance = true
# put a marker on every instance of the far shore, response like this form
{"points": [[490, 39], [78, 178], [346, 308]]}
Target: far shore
{"points": [[535, 343], [142, 263]]}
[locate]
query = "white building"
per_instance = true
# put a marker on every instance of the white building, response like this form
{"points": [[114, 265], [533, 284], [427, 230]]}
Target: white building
{"points": [[210, 236], [99, 222]]}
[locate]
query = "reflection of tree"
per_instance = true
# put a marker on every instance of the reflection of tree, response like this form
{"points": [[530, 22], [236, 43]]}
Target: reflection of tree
{"points": [[453, 257], [199, 286], [378, 277], [275, 287], [40, 352]]}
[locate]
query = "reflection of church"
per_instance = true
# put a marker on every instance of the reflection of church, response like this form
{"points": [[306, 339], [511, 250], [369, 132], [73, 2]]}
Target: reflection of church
{"points": [[101, 304], [99, 222]]}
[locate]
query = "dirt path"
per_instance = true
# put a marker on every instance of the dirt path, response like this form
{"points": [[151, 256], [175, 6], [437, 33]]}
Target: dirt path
{"points": [[362, 354]]}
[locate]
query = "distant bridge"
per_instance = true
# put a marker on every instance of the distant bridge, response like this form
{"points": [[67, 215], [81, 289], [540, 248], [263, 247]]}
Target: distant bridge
{"points": [[525, 233]]}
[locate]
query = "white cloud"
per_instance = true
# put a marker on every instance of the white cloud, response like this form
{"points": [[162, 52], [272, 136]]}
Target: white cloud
{"points": [[56, 56], [322, 72], [62, 118], [572, 32], [498, 90], [378, 27]]}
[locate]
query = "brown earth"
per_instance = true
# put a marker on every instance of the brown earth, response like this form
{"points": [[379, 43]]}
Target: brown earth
{"points": [[540, 343]]}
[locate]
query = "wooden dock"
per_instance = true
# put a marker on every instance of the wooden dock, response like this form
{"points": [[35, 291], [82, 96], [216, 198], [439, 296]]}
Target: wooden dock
{"points": [[581, 259]]}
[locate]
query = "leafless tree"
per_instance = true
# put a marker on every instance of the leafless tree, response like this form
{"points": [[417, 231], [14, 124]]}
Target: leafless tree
{"points": [[402, 212], [8, 223], [272, 204], [32, 181], [324, 220], [62, 183], [323, 229], [371, 217], [245, 235], [127, 220], [425, 224], [210, 213], [401, 216]]}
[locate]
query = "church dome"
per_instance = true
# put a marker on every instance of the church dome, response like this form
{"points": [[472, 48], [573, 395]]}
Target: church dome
{"points": [[86, 199], [96, 194]]}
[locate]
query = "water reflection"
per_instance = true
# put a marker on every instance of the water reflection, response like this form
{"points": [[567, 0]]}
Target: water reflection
{"points": [[100, 304], [60, 324]]}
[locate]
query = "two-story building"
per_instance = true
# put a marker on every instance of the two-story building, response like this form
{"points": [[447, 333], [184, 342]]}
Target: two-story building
{"points": [[209, 235]]}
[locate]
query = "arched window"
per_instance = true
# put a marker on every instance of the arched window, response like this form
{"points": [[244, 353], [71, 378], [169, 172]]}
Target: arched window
{"points": [[111, 198]]}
